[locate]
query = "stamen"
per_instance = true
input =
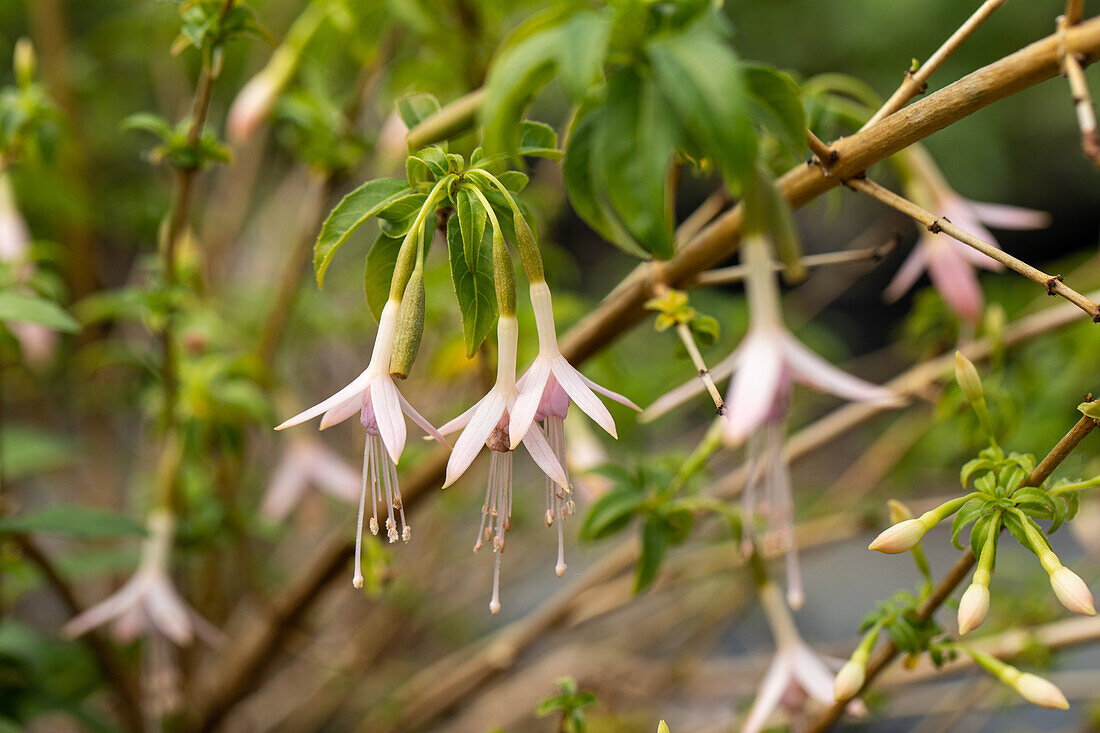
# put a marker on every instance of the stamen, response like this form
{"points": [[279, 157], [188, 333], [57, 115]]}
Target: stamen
{"points": [[357, 578], [557, 504], [494, 603]]}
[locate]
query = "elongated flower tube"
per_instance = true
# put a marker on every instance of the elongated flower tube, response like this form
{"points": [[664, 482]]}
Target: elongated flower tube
{"points": [[795, 665], [950, 264], [1071, 591], [148, 603], [974, 604], [849, 680]]}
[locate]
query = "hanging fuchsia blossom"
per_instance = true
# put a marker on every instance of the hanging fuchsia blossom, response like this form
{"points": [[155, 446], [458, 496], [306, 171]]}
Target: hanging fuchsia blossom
{"points": [[486, 424], [37, 343], [950, 264], [545, 392], [795, 673], [307, 463], [148, 603], [382, 410]]}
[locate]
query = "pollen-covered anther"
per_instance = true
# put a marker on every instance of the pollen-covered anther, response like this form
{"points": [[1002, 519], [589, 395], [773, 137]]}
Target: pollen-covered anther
{"points": [[373, 526], [406, 534], [549, 518], [498, 439]]}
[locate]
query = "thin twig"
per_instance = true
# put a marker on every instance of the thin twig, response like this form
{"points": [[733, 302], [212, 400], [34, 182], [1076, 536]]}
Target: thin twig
{"points": [[736, 273], [1082, 100], [957, 574], [1075, 9], [825, 155], [686, 337], [1051, 283], [915, 82]]}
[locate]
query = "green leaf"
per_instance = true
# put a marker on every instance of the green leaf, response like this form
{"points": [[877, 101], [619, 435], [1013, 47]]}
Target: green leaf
{"points": [[473, 286], [73, 520], [416, 108], [969, 512], [381, 261], [611, 512], [631, 152], [514, 181], [778, 104], [25, 308], [581, 52], [471, 221], [538, 140], [702, 79], [148, 122], [653, 553], [517, 74], [26, 451], [350, 214]]}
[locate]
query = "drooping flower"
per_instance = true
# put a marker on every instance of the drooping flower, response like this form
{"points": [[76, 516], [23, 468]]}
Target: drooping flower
{"points": [[950, 264], [382, 410], [307, 463], [37, 343], [546, 390], [487, 424], [795, 668], [148, 603]]}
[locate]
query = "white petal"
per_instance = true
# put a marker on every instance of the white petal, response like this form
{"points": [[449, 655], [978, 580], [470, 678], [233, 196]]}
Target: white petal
{"points": [[486, 416], [169, 612], [768, 696], [1003, 216], [333, 476], [387, 411], [755, 389], [812, 370], [288, 482], [611, 395], [813, 676], [543, 455], [357, 386], [582, 395], [460, 422], [342, 411], [417, 418], [113, 605], [522, 414], [907, 275], [687, 390]]}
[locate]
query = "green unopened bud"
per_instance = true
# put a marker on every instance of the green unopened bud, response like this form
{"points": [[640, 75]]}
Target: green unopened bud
{"points": [[898, 511], [966, 374], [24, 62], [410, 326], [662, 727], [528, 248]]}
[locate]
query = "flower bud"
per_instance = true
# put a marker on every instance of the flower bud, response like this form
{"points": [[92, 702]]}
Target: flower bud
{"points": [[973, 607], [1072, 591], [849, 680], [899, 538], [966, 374], [24, 62], [899, 512], [258, 95], [662, 727], [1090, 409], [1041, 692], [410, 326]]}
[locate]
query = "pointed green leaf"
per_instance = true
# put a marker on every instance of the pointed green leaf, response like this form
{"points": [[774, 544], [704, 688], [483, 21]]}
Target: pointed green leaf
{"points": [[416, 108], [653, 553], [581, 52], [516, 75], [72, 520], [778, 104], [611, 512], [471, 220], [26, 308], [381, 261], [514, 181], [538, 140], [473, 286], [350, 214]]}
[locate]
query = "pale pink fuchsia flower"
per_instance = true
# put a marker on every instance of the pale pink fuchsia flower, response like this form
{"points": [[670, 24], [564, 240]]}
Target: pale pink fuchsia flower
{"points": [[950, 264], [545, 393], [549, 371], [148, 604], [795, 673], [486, 424], [256, 98], [382, 410], [307, 464], [37, 342]]}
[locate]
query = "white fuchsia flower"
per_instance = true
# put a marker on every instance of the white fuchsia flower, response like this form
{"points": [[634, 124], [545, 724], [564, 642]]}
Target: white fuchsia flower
{"points": [[486, 424], [950, 264], [796, 667], [148, 603], [546, 390], [307, 464], [37, 343], [382, 410]]}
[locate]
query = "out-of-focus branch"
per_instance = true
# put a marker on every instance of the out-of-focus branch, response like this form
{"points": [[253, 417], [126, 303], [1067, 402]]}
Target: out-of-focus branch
{"points": [[1082, 100], [448, 121], [936, 224], [122, 683], [956, 574], [736, 273], [916, 81]]}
